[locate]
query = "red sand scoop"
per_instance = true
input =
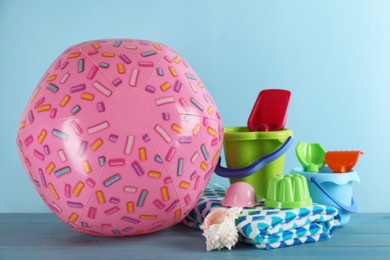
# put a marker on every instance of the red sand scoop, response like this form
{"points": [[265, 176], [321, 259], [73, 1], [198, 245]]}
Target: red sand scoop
{"points": [[342, 161], [270, 110]]}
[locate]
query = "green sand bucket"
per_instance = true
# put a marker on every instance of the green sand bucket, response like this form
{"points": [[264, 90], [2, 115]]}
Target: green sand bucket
{"points": [[243, 150]]}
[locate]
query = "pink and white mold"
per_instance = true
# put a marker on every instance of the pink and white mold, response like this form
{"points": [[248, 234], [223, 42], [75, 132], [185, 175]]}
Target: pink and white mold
{"points": [[120, 137]]}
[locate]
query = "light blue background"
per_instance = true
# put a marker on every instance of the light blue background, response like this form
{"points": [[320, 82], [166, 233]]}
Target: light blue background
{"points": [[333, 55]]}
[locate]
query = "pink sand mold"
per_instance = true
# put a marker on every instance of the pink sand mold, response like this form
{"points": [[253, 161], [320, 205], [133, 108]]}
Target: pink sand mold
{"points": [[240, 194], [120, 137]]}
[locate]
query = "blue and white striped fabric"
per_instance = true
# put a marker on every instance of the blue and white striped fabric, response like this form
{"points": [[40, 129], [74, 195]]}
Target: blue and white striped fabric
{"points": [[268, 228]]}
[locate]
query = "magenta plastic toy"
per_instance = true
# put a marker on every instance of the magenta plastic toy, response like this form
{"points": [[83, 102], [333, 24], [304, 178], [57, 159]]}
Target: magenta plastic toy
{"points": [[120, 137], [240, 194]]}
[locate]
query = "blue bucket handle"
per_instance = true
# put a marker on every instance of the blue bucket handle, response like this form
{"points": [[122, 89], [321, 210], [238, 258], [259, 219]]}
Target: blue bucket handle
{"points": [[255, 166], [351, 209]]}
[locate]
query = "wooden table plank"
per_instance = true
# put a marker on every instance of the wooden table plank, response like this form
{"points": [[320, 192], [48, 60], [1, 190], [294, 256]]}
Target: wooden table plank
{"points": [[43, 236]]}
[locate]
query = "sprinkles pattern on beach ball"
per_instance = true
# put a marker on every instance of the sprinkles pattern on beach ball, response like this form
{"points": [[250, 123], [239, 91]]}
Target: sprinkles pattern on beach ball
{"points": [[120, 137]]}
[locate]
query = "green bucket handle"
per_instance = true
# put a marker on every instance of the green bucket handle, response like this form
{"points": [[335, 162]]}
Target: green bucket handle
{"points": [[255, 166], [351, 209]]}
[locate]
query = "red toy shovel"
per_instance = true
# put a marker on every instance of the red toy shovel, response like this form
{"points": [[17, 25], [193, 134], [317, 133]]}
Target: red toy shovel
{"points": [[270, 110]]}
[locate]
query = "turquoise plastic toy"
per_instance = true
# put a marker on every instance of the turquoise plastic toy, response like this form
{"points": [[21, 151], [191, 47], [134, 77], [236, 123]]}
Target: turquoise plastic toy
{"points": [[331, 189]]}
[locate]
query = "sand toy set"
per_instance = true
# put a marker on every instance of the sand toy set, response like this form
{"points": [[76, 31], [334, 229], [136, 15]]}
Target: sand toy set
{"points": [[272, 211]]}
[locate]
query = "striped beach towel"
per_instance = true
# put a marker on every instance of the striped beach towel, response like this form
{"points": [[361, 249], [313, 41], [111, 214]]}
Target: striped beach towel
{"points": [[268, 228]]}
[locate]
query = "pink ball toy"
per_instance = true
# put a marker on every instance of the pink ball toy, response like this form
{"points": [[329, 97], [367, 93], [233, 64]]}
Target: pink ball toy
{"points": [[120, 137]]}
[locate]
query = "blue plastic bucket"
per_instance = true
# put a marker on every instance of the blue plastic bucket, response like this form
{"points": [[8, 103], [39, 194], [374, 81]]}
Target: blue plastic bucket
{"points": [[332, 189]]}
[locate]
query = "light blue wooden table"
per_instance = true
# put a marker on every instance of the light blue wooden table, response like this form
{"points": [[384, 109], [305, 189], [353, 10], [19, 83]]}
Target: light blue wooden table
{"points": [[42, 236]]}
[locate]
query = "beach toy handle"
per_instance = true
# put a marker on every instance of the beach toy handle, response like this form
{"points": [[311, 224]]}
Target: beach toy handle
{"points": [[255, 166], [351, 209]]}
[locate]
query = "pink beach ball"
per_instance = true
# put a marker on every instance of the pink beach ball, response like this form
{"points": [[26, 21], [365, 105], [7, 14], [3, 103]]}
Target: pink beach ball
{"points": [[120, 137]]}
